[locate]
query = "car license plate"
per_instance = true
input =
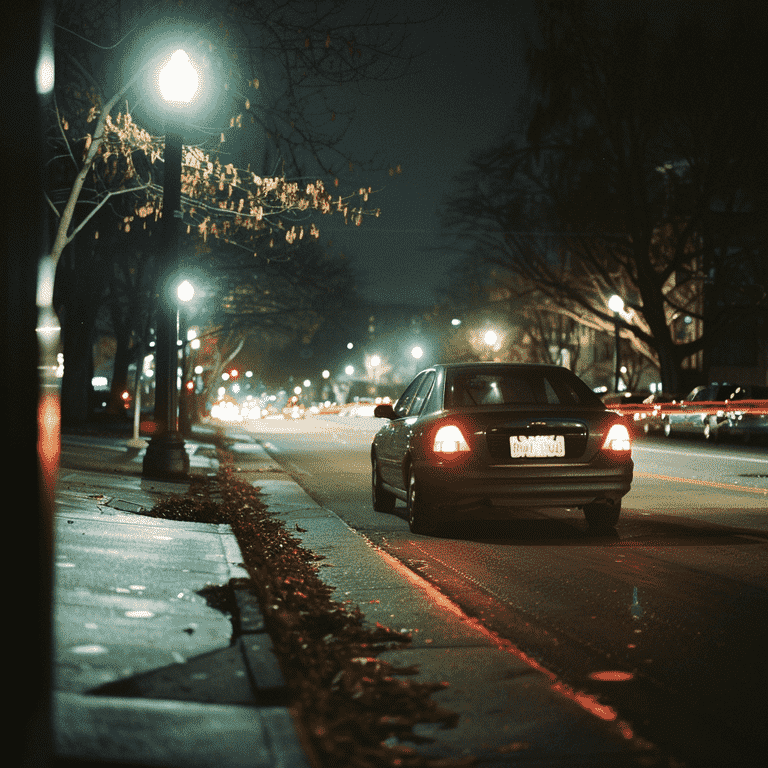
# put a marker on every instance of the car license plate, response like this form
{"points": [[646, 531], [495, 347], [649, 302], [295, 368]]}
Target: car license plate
{"points": [[536, 446]]}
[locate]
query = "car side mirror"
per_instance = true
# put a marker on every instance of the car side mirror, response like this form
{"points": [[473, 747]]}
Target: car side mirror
{"points": [[384, 411]]}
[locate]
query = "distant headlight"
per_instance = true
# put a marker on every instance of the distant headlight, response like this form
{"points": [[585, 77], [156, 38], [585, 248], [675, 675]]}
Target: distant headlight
{"points": [[449, 440], [617, 439]]}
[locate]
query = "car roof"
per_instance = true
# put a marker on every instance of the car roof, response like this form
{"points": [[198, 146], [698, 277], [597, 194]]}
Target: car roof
{"points": [[489, 364]]}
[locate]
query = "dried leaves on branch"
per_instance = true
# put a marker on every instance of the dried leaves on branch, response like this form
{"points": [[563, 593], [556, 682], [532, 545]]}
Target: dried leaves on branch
{"points": [[219, 199], [356, 709]]}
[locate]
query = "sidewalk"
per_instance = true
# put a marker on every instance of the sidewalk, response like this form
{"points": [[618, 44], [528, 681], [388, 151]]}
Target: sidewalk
{"points": [[148, 666], [146, 670], [510, 711]]}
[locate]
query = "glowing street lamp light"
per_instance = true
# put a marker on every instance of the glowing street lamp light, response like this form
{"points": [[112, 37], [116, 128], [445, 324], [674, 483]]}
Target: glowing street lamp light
{"points": [[417, 353], [185, 291], [178, 80], [166, 455]]}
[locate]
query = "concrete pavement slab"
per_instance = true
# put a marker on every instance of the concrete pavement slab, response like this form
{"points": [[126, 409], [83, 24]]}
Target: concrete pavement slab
{"points": [[148, 607], [512, 705], [171, 734], [129, 592]]}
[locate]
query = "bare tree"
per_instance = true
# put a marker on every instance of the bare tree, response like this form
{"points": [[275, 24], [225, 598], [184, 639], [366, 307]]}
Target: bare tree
{"points": [[639, 171]]}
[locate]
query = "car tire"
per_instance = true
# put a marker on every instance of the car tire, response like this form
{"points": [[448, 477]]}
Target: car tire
{"points": [[667, 429], [421, 515], [383, 500], [600, 516], [710, 429]]}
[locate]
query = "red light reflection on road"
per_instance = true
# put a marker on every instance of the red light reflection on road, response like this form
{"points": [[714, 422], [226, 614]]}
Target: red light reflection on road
{"points": [[613, 676]]}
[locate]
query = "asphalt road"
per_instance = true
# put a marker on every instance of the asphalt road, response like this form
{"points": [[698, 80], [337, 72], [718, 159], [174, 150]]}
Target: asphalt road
{"points": [[663, 621]]}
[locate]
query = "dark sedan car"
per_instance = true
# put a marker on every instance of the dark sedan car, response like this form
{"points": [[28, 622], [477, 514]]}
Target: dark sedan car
{"points": [[466, 437], [746, 414], [700, 412]]}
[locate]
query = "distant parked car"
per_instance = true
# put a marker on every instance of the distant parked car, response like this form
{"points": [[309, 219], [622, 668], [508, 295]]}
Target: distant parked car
{"points": [[701, 412], [652, 419], [746, 414]]}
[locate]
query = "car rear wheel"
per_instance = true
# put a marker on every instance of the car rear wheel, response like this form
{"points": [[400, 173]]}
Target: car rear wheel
{"points": [[711, 431], [383, 500], [601, 515], [667, 429], [421, 514]]}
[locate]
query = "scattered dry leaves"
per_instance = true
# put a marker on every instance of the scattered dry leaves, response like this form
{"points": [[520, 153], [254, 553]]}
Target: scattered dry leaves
{"points": [[356, 709]]}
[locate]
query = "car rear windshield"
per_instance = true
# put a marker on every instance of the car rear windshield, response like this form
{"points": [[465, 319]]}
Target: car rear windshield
{"points": [[465, 388]]}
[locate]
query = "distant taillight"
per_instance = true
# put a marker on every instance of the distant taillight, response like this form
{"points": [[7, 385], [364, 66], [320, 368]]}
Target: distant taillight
{"points": [[449, 440], [617, 439]]}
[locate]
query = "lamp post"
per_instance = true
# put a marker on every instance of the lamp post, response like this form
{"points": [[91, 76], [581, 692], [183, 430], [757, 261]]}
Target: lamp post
{"points": [[185, 292], [616, 305], [166, 455]]}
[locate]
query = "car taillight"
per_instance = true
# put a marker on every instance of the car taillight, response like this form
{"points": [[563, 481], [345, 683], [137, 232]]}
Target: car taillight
{"points": [[449, 440], [617, 439]]}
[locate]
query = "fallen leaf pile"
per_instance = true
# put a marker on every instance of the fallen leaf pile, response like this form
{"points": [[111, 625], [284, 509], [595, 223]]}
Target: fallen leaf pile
{"points": [[356, 710]]}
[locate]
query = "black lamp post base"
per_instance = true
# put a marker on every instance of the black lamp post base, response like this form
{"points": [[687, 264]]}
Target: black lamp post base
{"points": [[166, 458]]}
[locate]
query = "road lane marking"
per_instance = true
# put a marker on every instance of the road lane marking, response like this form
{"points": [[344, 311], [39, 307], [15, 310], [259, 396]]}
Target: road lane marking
{"points": [[708, 483]]}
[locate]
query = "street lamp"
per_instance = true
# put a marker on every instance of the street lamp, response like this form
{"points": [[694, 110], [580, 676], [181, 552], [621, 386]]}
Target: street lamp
{"points": [[166, 456], [616, 305], [185, 292], [491, 340]]}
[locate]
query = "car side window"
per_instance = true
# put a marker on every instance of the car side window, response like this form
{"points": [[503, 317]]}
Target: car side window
{"points": [[418, 401], [403, 405]]}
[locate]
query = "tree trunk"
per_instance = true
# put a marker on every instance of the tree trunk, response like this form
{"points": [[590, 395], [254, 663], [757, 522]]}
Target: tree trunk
{"points": [[79, 287], [124, 354], [76, 387]]}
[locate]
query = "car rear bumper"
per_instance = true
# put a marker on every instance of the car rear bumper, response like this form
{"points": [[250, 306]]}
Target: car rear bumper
{"points": [[549, 485]]}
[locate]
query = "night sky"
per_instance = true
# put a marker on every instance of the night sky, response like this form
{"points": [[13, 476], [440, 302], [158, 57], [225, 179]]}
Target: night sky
{"points": [[459, 98]]}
